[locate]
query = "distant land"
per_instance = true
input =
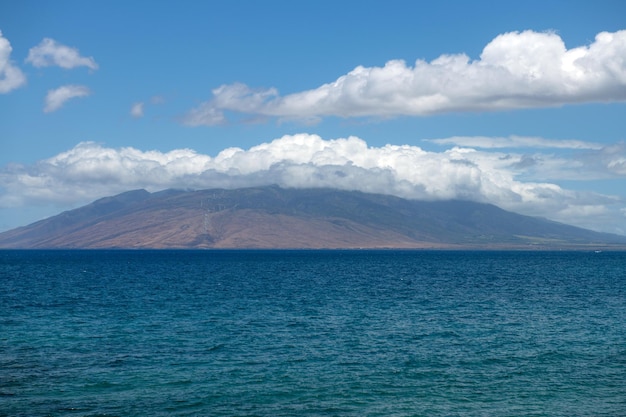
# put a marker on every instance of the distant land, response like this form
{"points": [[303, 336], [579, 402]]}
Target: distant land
{"points": [[277, 218]]}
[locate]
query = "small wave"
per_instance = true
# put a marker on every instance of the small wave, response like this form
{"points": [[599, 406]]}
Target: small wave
{"points": [[215, 347]]}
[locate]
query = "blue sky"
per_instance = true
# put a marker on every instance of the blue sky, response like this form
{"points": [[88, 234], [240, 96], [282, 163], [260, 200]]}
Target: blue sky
{"points": [[519, 104]]}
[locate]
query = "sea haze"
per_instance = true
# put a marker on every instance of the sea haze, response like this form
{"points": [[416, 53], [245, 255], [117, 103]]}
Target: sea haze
{"points": [[345, 333]]}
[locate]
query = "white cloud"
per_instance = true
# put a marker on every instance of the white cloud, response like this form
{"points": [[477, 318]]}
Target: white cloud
{"points": [[56, 98], [90, 171], [137, 110], [49, 52], [207, 114], [515, 70], [11, 77], [490, 142], [614, 158]]}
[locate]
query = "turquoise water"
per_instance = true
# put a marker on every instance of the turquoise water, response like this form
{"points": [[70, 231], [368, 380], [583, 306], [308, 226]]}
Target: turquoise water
{"points": [[312, 333]]}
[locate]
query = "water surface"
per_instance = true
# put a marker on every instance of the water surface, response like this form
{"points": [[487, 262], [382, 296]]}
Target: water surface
{"points": [[312, 333]]}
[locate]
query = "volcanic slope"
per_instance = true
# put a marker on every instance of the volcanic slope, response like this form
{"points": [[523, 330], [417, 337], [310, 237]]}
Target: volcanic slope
{"points": [[273, 217]]}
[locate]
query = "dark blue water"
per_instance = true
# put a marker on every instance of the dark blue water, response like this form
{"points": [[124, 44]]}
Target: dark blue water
{"points": [[312, 333]]}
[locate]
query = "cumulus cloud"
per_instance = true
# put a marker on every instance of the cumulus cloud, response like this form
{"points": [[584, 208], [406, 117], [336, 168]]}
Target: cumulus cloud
{"points": [[515, 70], [55, 99], [11, 77], [136, 110], [90, 171], [50, 53]]}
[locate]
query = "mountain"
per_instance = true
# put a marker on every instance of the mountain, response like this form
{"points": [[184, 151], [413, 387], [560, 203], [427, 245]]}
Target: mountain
{"points": [[273, 217]]}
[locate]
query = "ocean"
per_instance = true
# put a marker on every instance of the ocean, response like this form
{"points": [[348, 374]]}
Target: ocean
{"points": [[312, 333]]}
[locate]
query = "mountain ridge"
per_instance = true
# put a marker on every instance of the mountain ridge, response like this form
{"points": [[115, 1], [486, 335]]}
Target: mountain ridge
{"points": [[271, 217]]}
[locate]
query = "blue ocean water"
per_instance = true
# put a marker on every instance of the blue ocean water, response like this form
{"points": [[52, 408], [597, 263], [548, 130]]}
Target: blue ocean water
{"points": [[312, 333]]}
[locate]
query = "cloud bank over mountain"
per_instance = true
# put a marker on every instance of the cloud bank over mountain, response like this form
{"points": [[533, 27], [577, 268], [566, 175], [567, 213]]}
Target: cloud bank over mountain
{"points": [[507, 179], [515, 70]]}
